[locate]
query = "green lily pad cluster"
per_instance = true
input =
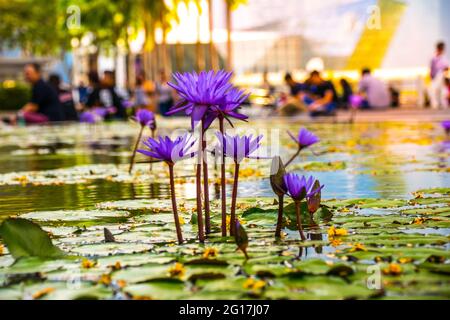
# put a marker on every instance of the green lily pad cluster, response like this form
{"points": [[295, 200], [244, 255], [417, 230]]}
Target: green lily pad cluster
{"points": [[361, 249]]}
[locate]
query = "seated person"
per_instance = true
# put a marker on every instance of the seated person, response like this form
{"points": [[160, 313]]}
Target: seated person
{"points": [[295, 87], [376, 94], [291, 105], [65, 98], [104, 95], [44, 105], [319, 96], [347, 92]]}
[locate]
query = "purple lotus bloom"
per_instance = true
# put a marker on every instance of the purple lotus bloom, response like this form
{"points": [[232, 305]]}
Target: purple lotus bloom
{"points": [[356, 101], [446, 125], [300, 188], [90, 117], [169, 151], [305, 138], [199, 92], [234, 99], [237, 147], [146, 118]]}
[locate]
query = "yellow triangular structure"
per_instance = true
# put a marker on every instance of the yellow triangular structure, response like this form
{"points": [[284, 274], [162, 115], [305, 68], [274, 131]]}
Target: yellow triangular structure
{"points": [[374, 43]]}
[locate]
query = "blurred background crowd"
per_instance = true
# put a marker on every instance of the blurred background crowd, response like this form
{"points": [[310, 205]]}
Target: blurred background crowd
{"points": [[78, 60]]}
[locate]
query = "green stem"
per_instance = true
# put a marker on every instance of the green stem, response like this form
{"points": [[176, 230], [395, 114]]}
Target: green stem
{"points": [[280, 216], [153, 137], [223, 191], [293, 157], [174, 205], [233, 200], [206, 184], [299, 219], [201, 232], [135, 149]]}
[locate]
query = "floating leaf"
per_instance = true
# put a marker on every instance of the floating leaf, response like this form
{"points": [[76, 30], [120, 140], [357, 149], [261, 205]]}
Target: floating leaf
{"points": [[241, 238], [108, 235], [277, 172], [314, 201], [26, 239]]}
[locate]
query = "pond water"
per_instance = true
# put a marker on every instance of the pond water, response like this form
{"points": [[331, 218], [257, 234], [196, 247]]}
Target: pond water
{"points": [[380, 160], [71, 183]]}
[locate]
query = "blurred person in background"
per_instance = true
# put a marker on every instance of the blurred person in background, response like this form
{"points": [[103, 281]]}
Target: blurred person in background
{"points": [[83, 92], [164, 93], [447, 84], [44, 105], [140, 97], [93, 96], [295, 87], [65, 98], [103, 94], [438, 92], [347, 92], [266, 85], [292, 104], [319, 96], [375, 92]]}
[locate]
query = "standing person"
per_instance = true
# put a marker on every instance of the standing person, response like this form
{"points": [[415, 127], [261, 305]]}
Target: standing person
{"points": [[320, 96], [141, 99], [44, 105], [438, 91], [65, 98], [165, 94], [375, 92]]}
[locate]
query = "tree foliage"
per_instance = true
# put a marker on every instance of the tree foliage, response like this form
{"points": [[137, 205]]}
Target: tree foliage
{"points": [[30, 25]]}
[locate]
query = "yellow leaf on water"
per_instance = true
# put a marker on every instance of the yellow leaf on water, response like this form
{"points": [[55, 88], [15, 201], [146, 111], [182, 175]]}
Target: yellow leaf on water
{"points": [[336, 232], [404, 260], [142, 298], [1, 249], [358, 247], [116, 266], [177, 270], [121, 283], [418, 220], [253, 284], [393, 270], [336, 242], [105, 279], [41, 293], [88, 264], [210, 253]]}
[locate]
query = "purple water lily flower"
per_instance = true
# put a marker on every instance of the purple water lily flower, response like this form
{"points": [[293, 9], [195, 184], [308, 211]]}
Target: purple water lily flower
{"points": [[90, 117], [146, 118], [300, 188], [199, 92], [446, 125], [356, 101], [234, 99], [237, 147], [169, 151], [305, 138]]}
